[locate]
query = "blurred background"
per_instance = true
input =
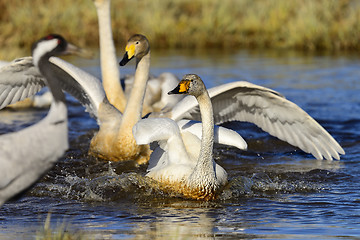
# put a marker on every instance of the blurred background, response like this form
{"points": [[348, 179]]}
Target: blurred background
{"points": [[298, 24]]}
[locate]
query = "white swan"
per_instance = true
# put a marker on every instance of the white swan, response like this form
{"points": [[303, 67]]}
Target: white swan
{"points": [[182, 162], [27, 154], [117, 140], [156, 95]]}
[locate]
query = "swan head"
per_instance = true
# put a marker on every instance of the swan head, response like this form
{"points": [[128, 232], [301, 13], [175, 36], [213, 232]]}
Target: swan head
{"points": [[190, 84], [138, 46]]}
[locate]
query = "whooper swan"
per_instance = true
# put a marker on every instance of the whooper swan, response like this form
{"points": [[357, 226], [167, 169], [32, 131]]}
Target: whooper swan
{"points": [[182, 162]]}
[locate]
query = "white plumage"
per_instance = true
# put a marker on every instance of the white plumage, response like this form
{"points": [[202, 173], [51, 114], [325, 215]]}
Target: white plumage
{"points": [[268, 109], [183, 161]]}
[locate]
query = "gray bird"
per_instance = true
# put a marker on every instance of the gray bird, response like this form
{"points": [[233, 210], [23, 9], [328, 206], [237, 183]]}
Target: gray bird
{"points": [[27, 154]]}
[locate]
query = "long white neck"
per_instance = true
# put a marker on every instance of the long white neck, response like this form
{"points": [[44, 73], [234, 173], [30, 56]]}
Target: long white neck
{"points": [[109, 64], [205, 161], [133, 110]]}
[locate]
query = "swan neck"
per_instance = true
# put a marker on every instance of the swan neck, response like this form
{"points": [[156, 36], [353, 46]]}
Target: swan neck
{"points": [[109, 64], [133, 110], [205, 160]]}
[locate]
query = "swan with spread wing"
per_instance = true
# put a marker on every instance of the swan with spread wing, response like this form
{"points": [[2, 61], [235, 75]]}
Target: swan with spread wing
{"points": [[269, 110], [182, 162]]}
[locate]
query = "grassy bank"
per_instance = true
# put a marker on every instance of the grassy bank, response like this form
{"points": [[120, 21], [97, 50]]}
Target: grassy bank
{"points": [[303, 24]]}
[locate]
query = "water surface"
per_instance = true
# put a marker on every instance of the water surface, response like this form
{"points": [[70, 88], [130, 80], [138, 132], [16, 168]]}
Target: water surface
{"points": [[276, 190]]}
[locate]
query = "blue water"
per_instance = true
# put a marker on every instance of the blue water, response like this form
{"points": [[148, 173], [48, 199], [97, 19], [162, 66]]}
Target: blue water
{"points": [[276, 191]]}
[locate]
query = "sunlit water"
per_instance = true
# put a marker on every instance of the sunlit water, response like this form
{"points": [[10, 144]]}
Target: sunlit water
{"points": [[275, 191]]}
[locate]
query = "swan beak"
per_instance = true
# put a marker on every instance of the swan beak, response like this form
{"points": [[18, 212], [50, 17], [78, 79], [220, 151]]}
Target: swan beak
{"points": [[72, 49], [182, 88], [129, 54]]}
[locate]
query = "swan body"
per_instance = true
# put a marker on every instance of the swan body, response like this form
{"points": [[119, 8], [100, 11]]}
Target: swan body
{"points": [[182, 162], [27, 154], [150, 130], [109, 142]]}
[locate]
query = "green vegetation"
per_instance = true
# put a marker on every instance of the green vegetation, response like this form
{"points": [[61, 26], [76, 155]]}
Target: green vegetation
{"points": [[302, 24]]}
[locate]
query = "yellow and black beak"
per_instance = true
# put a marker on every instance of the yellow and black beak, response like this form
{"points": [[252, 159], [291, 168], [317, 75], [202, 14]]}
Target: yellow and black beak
{"points": [[182, 88], [129, 54]]}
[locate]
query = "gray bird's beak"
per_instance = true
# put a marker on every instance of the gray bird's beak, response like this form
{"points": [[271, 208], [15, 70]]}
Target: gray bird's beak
{"points": [[72, 49]]}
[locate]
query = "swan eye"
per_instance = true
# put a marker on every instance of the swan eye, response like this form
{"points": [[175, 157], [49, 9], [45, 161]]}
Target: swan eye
{"points": [[137, 42]]}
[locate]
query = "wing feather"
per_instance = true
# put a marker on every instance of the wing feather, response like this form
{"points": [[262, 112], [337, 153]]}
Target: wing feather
{"points": [[150, 130], [269, 110], [18, 80], [221, 135]]}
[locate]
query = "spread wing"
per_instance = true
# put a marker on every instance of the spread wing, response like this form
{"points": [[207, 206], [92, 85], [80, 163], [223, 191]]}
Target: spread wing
{"points": [[269, 110], [83, 86], [19, 79], [222, 135]]}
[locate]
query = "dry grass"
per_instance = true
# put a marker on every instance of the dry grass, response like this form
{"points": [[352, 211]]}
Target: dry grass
{"points": [[60, 232], [303, 24]]}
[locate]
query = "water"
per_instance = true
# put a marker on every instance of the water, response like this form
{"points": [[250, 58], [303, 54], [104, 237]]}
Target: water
{"points": [[276, 191]]}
